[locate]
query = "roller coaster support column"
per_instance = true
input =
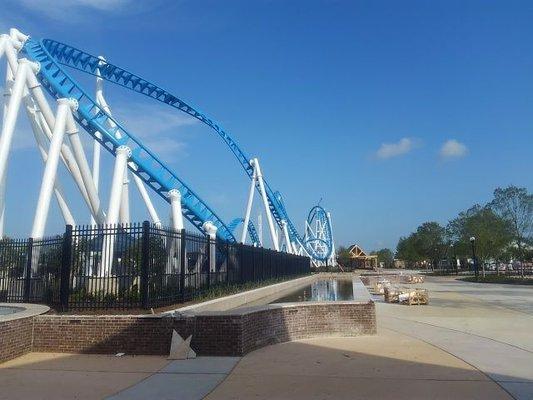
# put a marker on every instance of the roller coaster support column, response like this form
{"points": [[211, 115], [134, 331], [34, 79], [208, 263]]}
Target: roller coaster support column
{"points": [[286, 236], [249, 207], [273, 235], [175, 204], [96, 145], [47, 122], [7, 95], [10, 119], [41, 141], [260, 227], [122, 154], [50, 170], [333, 257], [211, 231], [85, 171], [3, 39], [125, 200], [146, 198], [121, 162]]}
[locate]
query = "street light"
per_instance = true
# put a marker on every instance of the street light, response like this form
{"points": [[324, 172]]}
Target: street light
{"points": [[473, 243]]}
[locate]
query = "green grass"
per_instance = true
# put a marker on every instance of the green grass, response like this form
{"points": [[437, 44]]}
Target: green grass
{"points": [[221, 290], [499, 279]]}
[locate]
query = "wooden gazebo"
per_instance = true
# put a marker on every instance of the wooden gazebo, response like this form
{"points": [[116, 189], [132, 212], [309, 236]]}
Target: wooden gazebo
{"points": [[360, 259]]}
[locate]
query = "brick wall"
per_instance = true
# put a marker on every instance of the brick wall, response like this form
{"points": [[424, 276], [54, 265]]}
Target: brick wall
{"points": [[15, 338], [221, 334]]}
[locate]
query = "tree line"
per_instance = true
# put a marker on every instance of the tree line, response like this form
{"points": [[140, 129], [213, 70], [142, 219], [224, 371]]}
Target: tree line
{"points": [[502, 228], [502, 231]]}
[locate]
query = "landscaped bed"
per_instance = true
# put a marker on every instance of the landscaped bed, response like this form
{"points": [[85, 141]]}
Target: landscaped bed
{"points": [[514, 280]]}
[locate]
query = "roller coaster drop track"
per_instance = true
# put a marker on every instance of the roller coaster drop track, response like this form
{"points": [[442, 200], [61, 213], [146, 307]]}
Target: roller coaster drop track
{"points": [[51, 56]]}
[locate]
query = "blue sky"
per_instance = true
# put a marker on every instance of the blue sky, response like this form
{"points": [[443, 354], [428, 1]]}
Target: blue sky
{"points": [[393, 113]]}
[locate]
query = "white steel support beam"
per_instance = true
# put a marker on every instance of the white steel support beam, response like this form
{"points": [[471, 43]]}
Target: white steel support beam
{"points": [[122, 154], [42, 144], [273, 234], [121, 162], [124, 213], [47, 122], [175, 204], [333, 258], [249, 207], [3, 39], [83, 165], [149, 205], [211, 231], [50, 170], [10, 120], [260, 228], [286, 236], [7, 95], [96, 144]]}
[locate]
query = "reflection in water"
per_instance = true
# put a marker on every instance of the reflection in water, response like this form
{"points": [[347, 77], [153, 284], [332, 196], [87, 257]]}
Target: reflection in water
{"points": [[324, 290]]}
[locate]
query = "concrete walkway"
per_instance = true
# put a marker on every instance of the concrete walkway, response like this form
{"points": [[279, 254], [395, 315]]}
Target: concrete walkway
{"points": [[386, 366], [487, 325], [183, 380], [472, 341], [74, 376]]}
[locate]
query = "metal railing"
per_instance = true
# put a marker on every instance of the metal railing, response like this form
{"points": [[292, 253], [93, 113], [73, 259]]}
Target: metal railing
{"points": [[131, 266]]}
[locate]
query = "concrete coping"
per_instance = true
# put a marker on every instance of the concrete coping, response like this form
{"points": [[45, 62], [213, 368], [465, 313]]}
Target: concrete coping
{"points": [[237, 312], [238, 301], [24, 310]]}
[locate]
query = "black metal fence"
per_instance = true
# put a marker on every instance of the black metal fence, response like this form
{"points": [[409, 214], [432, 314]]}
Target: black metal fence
{"points": [[131, 266]]}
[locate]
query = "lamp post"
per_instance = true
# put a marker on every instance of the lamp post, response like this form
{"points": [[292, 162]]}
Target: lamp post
{"points": [[473, 243]]}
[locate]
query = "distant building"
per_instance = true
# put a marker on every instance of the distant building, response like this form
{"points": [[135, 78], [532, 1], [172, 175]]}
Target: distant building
{"points": [[360, 259]]}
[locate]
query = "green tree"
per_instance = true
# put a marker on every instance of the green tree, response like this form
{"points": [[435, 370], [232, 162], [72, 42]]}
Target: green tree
{"points": [[385, 256], [515, 205], [343, 256], [431, 242], [407, 251], [492, 233]]}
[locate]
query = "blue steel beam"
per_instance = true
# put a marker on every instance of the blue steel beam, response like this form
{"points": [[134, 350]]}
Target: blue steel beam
{"points": [[251, 229]]}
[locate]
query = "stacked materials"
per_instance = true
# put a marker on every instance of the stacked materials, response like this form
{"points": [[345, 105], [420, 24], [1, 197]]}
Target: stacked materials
{"points": [[412, 278], [380, 285], [417, 296]]}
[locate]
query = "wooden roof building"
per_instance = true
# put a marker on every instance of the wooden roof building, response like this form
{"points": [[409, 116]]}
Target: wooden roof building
{"points": [[360, 259]]}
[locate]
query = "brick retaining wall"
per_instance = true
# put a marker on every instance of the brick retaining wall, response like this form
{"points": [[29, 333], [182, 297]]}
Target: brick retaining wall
{"points": [[223, 333], [15, 338]]}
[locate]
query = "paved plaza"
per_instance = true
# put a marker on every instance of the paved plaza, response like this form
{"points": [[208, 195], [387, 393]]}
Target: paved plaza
{"points": [[473, 341]]}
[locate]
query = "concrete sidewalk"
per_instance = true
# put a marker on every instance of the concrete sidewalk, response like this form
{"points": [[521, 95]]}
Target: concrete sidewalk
{"points": [[487, 325], [386, 366], [472, 341], [74, 376]]}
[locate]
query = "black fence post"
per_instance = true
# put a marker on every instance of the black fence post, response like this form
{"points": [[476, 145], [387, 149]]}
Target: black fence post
{"points": [[183, 260], [239, 260], [66, 260], [27, 272], [145, 264]]}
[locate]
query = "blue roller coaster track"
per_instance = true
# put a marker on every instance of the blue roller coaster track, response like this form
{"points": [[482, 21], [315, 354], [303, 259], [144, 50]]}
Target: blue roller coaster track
{"points": [[52, 55], [251, 230]]}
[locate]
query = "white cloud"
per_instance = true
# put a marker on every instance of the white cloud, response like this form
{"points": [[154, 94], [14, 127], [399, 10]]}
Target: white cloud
{"points": [[453, 149], [389, 150], [160, 129], [48, 5], [72, 10]]}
